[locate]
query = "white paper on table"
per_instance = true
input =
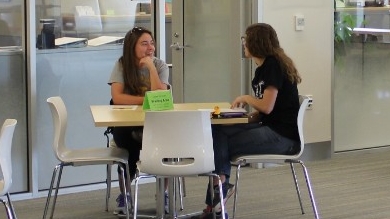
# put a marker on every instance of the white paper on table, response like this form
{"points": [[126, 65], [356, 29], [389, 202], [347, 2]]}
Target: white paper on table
{"points": [[124, 107]]}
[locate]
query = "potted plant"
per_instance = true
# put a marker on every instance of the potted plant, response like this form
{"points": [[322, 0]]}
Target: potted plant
{"points": [[343, 31]]}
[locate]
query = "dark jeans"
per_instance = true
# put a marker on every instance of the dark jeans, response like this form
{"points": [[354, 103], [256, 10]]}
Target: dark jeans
{"points": [[124, 138], [251, 138]]}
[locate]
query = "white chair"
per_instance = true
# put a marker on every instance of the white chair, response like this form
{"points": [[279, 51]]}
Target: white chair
{"points": [[175, 144], [6, 134], [279, 159], [79, 157]]}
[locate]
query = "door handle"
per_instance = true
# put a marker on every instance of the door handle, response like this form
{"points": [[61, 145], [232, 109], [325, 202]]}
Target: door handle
{"points": [[177, 46]]}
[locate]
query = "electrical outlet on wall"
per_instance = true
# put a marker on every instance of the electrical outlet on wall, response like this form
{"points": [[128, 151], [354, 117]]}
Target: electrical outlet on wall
{"points": [[310, 104], [299, 22]]}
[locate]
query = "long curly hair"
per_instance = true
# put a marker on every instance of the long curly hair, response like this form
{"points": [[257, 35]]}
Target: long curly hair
{"points": [[261, 41], [133, 82]]}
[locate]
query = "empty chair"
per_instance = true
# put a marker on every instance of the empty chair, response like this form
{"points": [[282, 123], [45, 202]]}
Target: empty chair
{"points": [[6, 134], [175, 144], [277, 158], [78, 157]]}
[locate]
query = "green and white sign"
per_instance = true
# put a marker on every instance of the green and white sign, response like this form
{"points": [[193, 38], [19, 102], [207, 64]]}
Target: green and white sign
{"points": [[158, 100]]}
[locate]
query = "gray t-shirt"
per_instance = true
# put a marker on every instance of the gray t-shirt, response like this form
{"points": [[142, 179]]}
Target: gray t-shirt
{"points": [[161, 66]]}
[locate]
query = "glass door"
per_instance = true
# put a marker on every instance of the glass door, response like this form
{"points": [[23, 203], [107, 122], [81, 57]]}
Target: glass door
{"points": [[206, 49], [361, 78]]}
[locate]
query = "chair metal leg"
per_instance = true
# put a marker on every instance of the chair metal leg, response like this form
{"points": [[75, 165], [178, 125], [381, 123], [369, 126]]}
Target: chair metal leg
{"points": [[180, 183], [56, 191], [160, 196], [136, 197], [221, 198], [9, 208], [108, 182], [308, 183], [210, 187], [54, 176], [50, 190], [136, 186], [296, 185], [129, 179], [236, 189], [183, 180], [211, 190], [313, 203], [13, 214], [172, 181], [125, 192]]}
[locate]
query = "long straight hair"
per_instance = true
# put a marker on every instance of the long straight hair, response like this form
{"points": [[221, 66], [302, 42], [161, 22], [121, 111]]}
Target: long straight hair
{"points": [[133, 82]]}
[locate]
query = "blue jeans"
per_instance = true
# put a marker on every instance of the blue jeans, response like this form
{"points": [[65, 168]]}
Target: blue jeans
{"points": [[251, 138]]}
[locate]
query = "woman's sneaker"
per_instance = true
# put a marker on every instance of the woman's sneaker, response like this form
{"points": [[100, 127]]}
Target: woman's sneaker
{"points": [[208, 214], [227, 189], [120, 205]]}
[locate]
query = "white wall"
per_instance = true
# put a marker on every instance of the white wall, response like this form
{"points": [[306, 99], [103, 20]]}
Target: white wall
{"points": [[311, 50]]}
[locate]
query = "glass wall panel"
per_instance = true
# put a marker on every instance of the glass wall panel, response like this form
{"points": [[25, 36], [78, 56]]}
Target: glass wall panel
{"points": [[13, 87], [79, 71], [361, 76], [13, 105], [79, 76]]}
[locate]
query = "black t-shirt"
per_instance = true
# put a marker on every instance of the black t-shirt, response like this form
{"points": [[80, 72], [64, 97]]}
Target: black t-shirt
{"points": [[283, 118]]}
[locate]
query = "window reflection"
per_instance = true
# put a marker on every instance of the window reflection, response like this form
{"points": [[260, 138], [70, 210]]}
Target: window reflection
{"points": [[10, 23], [91, 19]]}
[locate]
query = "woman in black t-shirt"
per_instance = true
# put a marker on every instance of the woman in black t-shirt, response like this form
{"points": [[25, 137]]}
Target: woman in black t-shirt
{"points": [[273, 124]]}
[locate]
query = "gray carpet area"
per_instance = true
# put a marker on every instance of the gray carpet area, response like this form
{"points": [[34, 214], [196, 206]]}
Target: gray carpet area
{"points": [[353, 185]]}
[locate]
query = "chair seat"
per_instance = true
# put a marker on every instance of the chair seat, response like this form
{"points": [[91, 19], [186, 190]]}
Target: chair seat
{"points": [[262, 158], [95, 156]]}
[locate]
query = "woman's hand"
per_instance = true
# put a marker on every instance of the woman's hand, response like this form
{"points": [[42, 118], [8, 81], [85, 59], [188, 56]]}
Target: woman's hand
{"points": [[239, 102], [155, 83], [264, 105], [147, 62]]}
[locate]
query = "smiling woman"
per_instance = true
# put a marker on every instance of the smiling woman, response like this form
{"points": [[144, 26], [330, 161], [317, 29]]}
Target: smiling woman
{"points": [[136, 72]]}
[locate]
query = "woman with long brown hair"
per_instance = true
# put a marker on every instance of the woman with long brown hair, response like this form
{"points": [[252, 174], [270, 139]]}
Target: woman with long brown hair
{"points": [[273, 123], [136, 72]]}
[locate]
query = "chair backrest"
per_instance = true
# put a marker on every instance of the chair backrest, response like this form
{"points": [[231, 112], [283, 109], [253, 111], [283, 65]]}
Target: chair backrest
{"points": [[6, 135], [304, 101], [177, 143], [60, 118]]}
